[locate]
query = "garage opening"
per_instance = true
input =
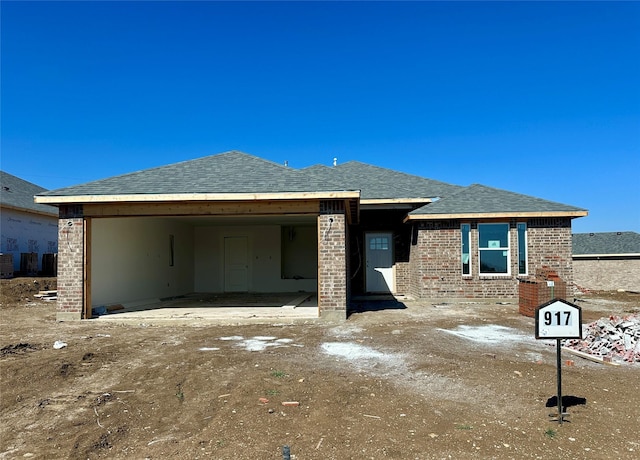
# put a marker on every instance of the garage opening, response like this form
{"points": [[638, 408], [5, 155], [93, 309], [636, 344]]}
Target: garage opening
{"points": [[141, 263]]}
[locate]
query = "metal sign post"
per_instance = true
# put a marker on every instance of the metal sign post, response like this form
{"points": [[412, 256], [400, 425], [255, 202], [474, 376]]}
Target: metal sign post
{"points": [[559, 319], [561, 413]]}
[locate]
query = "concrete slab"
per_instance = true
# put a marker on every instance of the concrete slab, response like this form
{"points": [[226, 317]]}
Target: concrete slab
{"points": [[221, 308]]}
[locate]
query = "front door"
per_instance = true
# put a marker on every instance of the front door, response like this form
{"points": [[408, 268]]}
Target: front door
{"points": [[236, 264], [379, 255]]}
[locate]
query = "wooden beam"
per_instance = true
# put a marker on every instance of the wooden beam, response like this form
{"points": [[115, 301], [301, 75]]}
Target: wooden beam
{"points": [[395, 200], [496, 215], [235, 208], [597, 359], [86, 277], [162, 197]]}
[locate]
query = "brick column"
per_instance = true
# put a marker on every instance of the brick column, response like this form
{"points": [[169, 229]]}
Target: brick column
{"points": [[332, 265], [70, 264]]}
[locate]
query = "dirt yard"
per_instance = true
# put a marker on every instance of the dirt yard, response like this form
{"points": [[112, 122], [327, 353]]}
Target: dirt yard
{"points": [[425, 382]]}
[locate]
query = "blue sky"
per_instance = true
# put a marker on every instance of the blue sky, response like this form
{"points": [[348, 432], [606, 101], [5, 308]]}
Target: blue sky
{"points": [[539, 98]]}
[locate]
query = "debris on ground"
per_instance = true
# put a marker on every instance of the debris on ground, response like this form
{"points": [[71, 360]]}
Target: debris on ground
{"points": [[47, 296], [616, 337], [58, 344]]}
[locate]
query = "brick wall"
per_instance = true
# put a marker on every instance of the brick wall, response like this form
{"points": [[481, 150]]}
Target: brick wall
{"points": [[70, 268], [550, 246], [436, 251], [607, 275], [402, 278], [532, 294], [332, 264]]}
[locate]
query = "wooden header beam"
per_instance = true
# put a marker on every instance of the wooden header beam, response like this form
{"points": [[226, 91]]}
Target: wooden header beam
{"points": [[496, 215], [263, 208], [181, 197]]}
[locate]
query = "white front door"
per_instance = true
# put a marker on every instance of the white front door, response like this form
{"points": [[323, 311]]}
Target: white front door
{"points": [[236, 264], [379, 255]]}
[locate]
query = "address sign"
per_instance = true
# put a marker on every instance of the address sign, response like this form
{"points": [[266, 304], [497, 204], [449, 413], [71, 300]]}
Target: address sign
{"points": [[558, 319]]}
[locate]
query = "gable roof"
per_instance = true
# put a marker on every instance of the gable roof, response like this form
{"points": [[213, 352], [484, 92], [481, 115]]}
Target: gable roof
{"points": [[382, 184], [18, 194], [230, 175], [241, 177], [480, 201], [606, 244]]}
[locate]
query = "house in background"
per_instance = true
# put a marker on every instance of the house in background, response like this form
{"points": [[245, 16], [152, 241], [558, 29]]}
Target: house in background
{"points": [[607, 261], [29, 230], [233, 222]]}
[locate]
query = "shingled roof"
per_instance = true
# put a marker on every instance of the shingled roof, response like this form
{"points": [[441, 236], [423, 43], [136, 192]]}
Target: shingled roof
{"points": [[237, 175], [606, 244], [18, 194], [482, 201], [376, 183], [226, 173]]}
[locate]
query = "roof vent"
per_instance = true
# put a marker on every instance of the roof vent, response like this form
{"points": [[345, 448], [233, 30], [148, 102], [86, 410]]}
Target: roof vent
{"points": [[286, 163], [335, 161]]}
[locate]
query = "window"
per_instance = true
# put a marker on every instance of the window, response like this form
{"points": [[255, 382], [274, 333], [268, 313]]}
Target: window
{"points": [[379, 243], [522, 249], [465, 229], [493, 248]]}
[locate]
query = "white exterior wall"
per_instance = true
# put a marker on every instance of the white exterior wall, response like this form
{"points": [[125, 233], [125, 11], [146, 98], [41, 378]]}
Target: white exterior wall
{"points": [[265, 253], [24, 232], [131, 260]]}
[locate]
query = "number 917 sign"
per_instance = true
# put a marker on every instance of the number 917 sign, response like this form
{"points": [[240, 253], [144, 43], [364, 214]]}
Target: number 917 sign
{"points": [[558, 319]]}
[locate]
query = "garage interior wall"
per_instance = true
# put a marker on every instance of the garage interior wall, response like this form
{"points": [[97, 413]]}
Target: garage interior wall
{"points": [[131, 259], [265, 258]]}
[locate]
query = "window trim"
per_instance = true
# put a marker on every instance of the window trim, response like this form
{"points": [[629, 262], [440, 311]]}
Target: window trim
{"points": [[507, 250]]}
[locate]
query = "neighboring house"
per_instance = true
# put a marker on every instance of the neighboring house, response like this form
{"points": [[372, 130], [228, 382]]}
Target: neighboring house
{"points": [[607, 261], [27, 227], [237, 223]]}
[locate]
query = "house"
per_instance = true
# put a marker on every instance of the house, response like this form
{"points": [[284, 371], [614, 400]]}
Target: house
{"points": [[233, 222], [607, 261], [29, 230]]}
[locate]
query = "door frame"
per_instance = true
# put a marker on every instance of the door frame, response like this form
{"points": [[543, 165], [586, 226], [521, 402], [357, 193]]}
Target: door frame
{"points": [[392, 287]]}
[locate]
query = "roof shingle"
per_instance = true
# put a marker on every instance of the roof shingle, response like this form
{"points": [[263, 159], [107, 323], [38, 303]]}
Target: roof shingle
{"points": [[230, 172], [18, 193], [382, 183], [606, 243], [480, 199]]}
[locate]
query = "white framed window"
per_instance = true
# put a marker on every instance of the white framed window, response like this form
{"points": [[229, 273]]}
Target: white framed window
{"points": [[465, 231], [493, 249], [523, 266]]}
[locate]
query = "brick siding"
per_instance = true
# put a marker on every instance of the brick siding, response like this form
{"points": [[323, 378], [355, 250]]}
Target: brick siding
{"points": [[607, 275], [332, 264], [70, 268], [436, 252]]}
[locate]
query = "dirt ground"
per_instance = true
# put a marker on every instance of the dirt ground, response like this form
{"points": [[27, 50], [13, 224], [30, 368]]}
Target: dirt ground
{"points": [[429, 381]]}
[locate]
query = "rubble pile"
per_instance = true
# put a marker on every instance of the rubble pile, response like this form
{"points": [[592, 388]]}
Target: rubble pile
{"points": [[614, 337]]}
